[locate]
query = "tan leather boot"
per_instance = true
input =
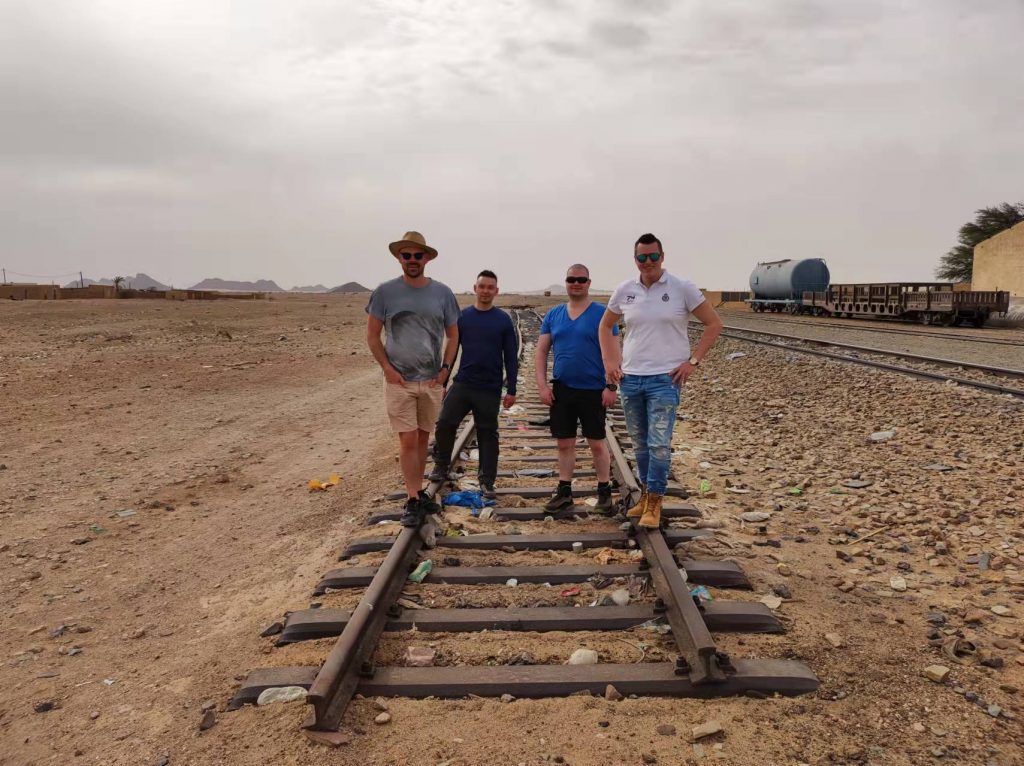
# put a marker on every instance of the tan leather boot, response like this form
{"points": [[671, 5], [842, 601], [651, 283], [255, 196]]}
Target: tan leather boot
{"points": [[652, 512], [638, 510]]}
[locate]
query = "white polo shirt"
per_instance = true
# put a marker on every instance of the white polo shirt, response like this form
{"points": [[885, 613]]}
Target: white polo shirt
{"points": [[656, 317]]}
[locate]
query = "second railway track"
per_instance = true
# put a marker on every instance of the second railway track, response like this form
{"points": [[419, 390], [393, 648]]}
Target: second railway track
{"points": [[673, 629]]}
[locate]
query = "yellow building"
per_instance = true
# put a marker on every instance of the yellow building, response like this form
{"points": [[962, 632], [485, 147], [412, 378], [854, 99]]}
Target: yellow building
{"points": [[999, 262]]}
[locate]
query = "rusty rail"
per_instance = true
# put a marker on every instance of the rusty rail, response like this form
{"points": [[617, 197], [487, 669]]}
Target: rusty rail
{"points": [[699, 657], [339, 676]]}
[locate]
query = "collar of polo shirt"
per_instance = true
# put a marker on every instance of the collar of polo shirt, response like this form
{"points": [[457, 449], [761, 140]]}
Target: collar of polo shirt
{"points": [[663, 280]]}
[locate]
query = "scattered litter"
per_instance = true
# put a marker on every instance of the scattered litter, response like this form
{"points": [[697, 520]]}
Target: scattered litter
{"points": [[755, 516], [938, 467], [126, 514], [620, 597], [705, 486], [485, 514], [281, 694], [512, 582], [735, 355], [882, 436], [96, 529], [573, 591], [771, 601], [315, 485], [420, 572], [469, 498], [577, 547], [534, 473], [419, 657], [702, 593], [590, 502]]}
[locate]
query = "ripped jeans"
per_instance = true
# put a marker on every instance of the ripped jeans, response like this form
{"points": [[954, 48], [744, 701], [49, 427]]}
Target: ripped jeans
{"points": [[650, 403]]}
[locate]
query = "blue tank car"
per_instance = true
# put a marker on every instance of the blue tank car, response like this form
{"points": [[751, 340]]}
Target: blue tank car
{"points": [[787, 285]]}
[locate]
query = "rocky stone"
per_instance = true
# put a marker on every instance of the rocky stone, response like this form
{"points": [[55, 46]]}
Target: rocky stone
{"points": [[937, 673], [784, 570], [612, 694], [648, 758], [208, 705], [666, 730], [898, 584], [583, 657], [881, 436], [1001, 610], [755, 516], [994, 710], [207, 721], [782, 590], [507, 698], [835, 639], [380, 704], [382, 718], [975, 617], [705, 730]]}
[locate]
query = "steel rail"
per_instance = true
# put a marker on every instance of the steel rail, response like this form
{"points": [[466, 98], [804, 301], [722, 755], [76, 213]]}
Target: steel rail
{"points": [[699, 657], [850, 325], [339, 676], [1007, 372], [910, 371]]}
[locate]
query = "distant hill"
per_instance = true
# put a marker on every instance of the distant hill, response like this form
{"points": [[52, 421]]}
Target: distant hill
{"points": [[349, 287], [139, 282], [309, 289], [259, 286]]}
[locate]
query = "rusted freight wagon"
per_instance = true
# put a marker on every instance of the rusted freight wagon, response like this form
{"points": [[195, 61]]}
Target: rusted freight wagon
{"points": [[925, 302]]}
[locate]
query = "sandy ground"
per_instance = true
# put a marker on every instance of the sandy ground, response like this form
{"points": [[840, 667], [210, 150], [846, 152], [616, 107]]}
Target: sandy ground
{"points": [[154, 518]]}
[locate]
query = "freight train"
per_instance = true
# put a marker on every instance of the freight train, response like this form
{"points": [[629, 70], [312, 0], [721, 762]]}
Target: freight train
{"points": [[802, 287]]}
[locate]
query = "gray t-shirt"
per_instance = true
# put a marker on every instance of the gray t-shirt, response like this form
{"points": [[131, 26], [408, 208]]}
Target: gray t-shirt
{"points": [[415, 319]]}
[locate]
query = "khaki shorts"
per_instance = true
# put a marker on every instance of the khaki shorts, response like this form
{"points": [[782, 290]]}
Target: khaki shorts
{"points": [[412, 405]]}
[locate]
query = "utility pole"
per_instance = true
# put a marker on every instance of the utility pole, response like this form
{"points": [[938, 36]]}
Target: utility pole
{"points": [[5, 276], [81, 280]]}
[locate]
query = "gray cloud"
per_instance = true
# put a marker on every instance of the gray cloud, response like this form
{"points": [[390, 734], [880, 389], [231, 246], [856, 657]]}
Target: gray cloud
{"points": [[292, 144]]}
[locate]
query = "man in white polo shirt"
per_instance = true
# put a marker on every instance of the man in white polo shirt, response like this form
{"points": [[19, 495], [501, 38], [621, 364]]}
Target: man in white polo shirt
{"points": [[653, 363]]}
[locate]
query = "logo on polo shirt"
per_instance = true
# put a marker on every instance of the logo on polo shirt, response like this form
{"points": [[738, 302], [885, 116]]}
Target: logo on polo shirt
{"points": [[630, 298], [664, 297]]}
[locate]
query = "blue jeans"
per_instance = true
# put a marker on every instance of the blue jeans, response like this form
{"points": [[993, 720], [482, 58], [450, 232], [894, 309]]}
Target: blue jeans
{"points": [[650, 403]]}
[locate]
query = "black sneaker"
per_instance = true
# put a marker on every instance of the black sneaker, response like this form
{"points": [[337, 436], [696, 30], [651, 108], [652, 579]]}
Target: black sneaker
{"points": [[427, 505], [440, 473], [413, 515], [562, 498], [604, 501], [487, 490]]}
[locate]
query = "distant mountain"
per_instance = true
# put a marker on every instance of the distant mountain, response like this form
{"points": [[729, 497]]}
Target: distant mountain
{"points": [[309, 289], [139, 282], [349, 287], [259, 286]]}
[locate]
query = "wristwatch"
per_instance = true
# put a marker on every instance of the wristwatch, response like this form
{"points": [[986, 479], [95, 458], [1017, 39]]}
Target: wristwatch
{"points": [[611, 386], [694, 361]]}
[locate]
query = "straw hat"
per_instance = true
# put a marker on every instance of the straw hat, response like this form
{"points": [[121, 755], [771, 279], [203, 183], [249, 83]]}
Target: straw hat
{"points": [[413, 239]]}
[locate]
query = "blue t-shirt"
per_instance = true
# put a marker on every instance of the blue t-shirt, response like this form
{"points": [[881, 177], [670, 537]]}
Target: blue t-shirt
{"points": [[489, 343], [577, 350]]}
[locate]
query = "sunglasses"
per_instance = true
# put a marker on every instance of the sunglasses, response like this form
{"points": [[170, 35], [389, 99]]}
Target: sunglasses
{"points": [[417, 256], [642, 258], [577, 280]]}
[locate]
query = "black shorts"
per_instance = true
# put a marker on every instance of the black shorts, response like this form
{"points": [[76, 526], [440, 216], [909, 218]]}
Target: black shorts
{"points": [[574, 406]]}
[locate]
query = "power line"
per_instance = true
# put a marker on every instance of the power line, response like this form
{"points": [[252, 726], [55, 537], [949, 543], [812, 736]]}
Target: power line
{"points": [[43, 276]]}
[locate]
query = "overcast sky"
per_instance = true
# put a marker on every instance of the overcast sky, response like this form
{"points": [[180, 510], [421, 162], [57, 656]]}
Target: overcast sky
{"points": [[291, 140]]}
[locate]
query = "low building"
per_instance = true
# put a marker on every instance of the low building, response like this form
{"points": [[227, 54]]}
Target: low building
{"points": [[999, 262]]}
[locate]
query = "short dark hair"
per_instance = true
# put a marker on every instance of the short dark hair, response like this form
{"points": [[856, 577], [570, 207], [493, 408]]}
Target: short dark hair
{"points": [[578, 266], [487, 273], [648, 239]]}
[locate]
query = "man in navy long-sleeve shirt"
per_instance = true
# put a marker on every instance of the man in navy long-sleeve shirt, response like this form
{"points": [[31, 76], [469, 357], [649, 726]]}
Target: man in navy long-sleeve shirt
{"points": [[488, 346]]}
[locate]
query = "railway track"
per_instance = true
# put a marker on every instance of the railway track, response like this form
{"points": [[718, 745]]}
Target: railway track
{"points": [[867, 325], [597, 557], [862, 355]]}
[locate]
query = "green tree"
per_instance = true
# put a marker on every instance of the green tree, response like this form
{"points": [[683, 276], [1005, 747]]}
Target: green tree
{"points": [[958, 264]]}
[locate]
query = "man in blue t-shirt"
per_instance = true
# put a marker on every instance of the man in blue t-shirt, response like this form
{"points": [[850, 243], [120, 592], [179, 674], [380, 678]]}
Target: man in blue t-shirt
{"points": [[578, 395], [488, 344]]}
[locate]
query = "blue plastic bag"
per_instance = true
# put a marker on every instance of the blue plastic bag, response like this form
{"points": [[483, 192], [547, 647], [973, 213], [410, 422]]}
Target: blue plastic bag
{"points": [[469, 498]]}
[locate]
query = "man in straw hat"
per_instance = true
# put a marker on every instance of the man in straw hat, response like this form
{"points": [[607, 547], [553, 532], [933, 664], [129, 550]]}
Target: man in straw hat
{"points": [[417, 314]]}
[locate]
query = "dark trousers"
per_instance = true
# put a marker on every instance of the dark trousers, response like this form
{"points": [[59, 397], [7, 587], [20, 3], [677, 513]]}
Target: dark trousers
{"points": [[484, 404]]}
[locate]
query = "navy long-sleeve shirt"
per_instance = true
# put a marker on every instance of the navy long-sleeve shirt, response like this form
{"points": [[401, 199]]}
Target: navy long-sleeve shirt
{"points": [[488, 341]]}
